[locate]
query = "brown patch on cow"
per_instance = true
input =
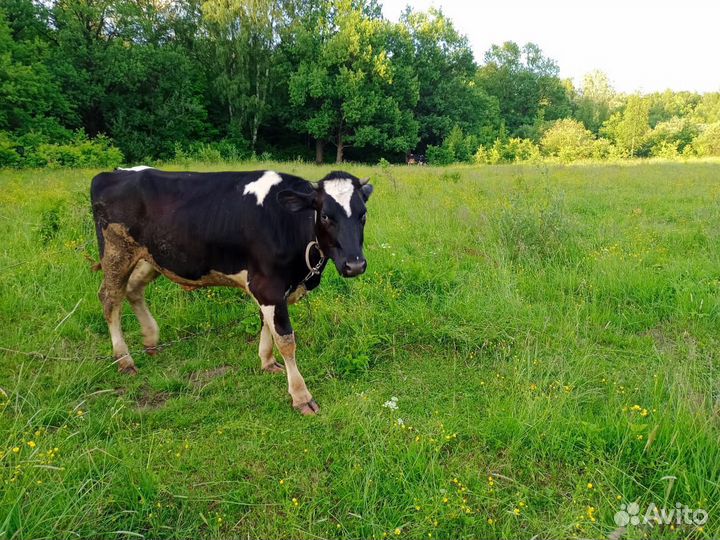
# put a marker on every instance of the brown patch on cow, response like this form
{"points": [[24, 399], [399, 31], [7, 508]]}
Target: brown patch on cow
{"points": [[124, 250], [297, 295], [150, 399], [199, 379]]}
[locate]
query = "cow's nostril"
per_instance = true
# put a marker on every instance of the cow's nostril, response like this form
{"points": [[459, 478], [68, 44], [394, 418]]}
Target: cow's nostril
{"points": [[354, 268]]}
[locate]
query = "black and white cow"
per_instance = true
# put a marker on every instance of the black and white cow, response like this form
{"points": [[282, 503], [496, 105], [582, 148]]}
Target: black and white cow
{"points": [[266, 233]]}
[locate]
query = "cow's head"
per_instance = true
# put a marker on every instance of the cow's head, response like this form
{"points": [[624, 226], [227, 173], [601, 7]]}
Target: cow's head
{"points": [[339, 202]]}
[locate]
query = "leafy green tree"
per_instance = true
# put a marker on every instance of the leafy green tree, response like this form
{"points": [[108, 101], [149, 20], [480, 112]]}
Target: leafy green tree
{"points": [[526, 85], [671, 137], [244, 37], [448, 94], [667, 105], [707, 110], [30, 97], [353, 84], [627, 129], [707, 143], [595, 101]]}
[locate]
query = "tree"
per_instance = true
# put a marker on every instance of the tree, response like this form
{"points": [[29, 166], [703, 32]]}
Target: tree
{"points": [[353, 84], [448, 94], [627, 129], [595, 101], [30, 98], [526, 85], [244, 36]]}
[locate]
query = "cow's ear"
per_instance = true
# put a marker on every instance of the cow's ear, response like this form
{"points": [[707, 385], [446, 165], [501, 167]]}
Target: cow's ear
{"points": [[295, 201], [366, 191]]}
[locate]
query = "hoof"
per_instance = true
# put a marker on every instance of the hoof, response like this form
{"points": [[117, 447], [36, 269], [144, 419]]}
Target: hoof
{"points": [[274, 368], [127, 366], [311, 408], [152, 351], [128, 370]]}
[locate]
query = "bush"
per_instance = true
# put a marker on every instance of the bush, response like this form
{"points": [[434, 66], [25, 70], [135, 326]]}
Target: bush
{"points": [[33, 150], [439, 155], [568, 140], [707, 143], [508, 151], [669, 139], [212, 152]]}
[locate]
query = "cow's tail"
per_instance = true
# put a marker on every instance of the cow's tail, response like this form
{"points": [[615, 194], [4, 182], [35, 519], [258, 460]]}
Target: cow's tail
{"points": [[96, 266]]}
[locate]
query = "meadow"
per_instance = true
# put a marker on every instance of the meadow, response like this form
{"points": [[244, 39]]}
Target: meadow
{"points": [[532, 347]]}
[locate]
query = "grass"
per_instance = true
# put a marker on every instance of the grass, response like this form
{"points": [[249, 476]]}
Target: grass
{"points": [[550, 334]]}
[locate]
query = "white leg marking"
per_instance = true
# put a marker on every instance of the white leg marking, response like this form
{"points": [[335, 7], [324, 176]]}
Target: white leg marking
{"points": [[286, 345], [261, 187], [265, 350]]}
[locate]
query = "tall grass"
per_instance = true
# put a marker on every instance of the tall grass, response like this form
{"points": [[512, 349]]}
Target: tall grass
{"points": [[550, 334]]}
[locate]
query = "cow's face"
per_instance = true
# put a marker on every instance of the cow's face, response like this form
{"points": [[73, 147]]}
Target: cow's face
{"points": [[339, 201]]}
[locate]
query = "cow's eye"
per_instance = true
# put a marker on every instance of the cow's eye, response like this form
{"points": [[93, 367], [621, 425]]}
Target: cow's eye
{"points": [[324, 217]]}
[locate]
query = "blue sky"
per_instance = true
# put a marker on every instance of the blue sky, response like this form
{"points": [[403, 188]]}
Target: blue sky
{"points": [[642, 45]]}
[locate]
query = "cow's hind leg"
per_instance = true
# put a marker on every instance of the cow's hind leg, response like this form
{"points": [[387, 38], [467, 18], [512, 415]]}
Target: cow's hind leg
{"points": [[277, 318], [112, 294], [143, 274]]}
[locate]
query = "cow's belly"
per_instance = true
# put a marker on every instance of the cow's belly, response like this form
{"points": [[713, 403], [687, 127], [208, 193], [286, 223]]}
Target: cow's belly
{"points": [[212, 279]]}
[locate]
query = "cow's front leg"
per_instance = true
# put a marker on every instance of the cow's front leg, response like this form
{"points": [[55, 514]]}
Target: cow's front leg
{"points": [[277, 318], [265, 349]]}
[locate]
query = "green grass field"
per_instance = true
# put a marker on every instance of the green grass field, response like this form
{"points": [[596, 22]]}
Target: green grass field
{"points": [[550, 334]]}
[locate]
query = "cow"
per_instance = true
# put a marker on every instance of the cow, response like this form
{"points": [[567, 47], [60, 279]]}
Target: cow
{"points": [[416, 159], [266, 233]]}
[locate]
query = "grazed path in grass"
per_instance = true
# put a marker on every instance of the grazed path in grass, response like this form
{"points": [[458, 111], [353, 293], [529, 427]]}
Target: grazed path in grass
{"points": [[550, 334]]}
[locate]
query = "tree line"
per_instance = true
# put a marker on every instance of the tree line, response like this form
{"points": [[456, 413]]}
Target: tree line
{"points": [[97, 82]]}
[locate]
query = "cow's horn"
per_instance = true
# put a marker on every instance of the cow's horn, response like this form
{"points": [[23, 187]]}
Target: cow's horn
{"points": [[364, 181], [315, 185]]}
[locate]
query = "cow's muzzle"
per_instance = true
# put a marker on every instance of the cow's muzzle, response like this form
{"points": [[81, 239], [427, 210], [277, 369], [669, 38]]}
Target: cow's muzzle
{"points": [[354, 267]]}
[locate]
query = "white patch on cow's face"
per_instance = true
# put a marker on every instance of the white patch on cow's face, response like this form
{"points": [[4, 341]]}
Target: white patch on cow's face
{"points": [[261, 187], [340, 189], [136, 168]]}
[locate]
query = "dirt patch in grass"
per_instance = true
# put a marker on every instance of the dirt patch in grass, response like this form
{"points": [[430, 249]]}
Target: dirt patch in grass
{"points": [[201, 378], [150, 399]]}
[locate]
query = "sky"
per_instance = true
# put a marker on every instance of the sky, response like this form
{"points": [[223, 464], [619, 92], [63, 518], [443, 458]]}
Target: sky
{"points": [[643, 46]]}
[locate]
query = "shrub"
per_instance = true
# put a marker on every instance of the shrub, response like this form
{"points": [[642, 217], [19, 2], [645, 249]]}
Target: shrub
{"points": [[568, 140], [668, 139], [439, 155], [707, 143], [33, 150], [508, 151]]}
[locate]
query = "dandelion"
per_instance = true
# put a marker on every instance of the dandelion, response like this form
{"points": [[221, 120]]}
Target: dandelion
{"points": [[516, 511], [618, 497], [295, 501], [282, 482], [644, 412], [490, 521], [445, 500], [80, 412], [16, 449], [590, 486], [398, 531]]}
